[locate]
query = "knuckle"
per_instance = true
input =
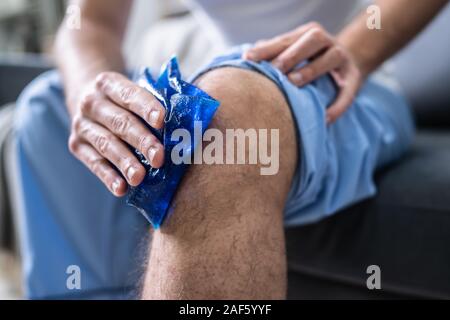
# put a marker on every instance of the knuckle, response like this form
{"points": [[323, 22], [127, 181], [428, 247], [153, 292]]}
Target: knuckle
{"points": [[87, 102], [300, 29], [96, 165], [102, 79], [84, 129], [314, 24], [318, 34], [77, 123], [73, 144], [315, 32], [102, 142], [127, 93], [339, 53], [120, 123]]}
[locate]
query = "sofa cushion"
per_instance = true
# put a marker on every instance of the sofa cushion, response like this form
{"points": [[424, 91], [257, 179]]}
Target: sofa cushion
{"points": [[405, 229]]}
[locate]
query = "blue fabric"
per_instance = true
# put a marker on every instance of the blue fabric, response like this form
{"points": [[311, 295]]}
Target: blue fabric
{"points": [[185, 105], [70, 218], [337, 162]]}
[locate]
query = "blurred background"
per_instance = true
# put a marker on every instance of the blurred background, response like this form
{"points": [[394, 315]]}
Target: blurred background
{"points": [[27, 32], [29, 26]]}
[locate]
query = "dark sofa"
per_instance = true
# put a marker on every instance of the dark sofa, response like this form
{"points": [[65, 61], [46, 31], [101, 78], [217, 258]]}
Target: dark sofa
{"points": [[404, 229]]}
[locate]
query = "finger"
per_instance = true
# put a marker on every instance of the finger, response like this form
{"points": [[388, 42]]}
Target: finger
{"points": [[132, 97], [330, 60], [306, 47], [98, 166], [127, 127], [343, 101], [269, 49], [113, 149]]}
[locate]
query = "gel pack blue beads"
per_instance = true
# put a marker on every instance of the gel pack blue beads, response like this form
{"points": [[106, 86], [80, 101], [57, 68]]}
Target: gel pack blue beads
{"points": [[185, 105]]}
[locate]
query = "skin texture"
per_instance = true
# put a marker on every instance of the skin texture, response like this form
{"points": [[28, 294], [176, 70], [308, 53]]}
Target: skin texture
{"points": [[101, 129], [225, 237], [104, 105]]}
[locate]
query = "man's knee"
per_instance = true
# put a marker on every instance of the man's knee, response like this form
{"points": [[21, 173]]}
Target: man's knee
{"points": [[251, 101], [248, 101], [247, 98], [227, 219]]}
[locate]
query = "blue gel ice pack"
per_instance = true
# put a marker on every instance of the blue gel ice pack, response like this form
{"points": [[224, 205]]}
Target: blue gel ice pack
{"points": [[185, 104]]}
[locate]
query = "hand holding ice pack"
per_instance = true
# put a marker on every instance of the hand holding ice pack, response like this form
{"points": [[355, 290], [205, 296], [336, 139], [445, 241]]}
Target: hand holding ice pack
{"points": [[185, 105]]}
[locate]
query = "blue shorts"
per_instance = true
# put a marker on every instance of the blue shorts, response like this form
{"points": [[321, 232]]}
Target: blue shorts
{"points": [[70, 219], [337, 162]]}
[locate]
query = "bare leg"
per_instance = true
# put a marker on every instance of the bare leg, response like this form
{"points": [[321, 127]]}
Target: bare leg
{"points": [[225, 238]]}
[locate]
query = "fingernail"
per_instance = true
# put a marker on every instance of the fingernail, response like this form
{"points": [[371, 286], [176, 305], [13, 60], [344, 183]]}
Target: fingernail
{"points": [[115, 186], [131, 173], [152, 153], [297, 78], [154, 117]]}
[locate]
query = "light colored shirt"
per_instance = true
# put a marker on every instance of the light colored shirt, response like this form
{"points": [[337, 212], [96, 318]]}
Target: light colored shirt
{"points": [[240, 21]]}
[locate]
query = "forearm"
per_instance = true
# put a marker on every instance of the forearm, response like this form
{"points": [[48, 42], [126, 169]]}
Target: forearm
{"points": [[401, 20], [82, 54], [80, 57]]}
